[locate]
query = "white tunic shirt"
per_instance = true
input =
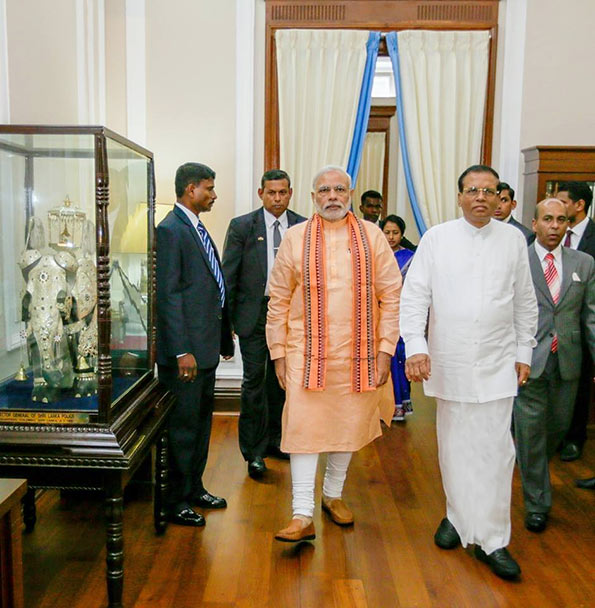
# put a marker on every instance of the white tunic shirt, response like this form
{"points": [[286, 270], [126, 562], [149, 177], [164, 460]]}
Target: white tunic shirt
{"points": [[477, 285]]}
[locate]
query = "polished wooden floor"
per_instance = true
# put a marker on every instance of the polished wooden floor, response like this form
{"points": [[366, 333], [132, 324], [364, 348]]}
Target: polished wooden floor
{"points": [[386, 560]]}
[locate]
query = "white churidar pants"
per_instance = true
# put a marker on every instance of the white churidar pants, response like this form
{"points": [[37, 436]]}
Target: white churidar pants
{"points": [[476, 454], [303, 477]]}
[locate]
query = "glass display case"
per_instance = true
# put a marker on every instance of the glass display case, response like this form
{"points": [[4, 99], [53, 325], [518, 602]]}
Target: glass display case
{"points": [[80, 406], [75, 315]]}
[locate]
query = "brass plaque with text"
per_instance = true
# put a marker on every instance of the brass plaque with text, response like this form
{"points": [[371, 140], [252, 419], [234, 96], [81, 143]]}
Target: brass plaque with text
{"points": [[44, 417]]}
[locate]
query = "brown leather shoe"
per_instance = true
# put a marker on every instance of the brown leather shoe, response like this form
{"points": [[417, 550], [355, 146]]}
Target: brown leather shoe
{"points": [[297, 530], [338, 510]]}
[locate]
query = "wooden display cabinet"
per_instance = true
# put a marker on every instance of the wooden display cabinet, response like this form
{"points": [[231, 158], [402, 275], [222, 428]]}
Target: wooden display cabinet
{"points": [[546, 166], [80, 406]]}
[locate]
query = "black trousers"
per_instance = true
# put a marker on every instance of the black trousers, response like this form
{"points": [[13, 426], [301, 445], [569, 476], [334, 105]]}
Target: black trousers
{"points": [[262, 398], [189, 432], [577, 433]]}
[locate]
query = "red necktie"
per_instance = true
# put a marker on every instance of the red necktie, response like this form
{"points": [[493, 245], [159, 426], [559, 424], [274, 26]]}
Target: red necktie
{"points": [[567, 239], [553, 282]]}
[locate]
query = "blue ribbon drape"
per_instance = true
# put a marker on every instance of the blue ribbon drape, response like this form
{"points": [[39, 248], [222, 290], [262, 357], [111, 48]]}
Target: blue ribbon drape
{"points": [[363, 108], [393, 50]]}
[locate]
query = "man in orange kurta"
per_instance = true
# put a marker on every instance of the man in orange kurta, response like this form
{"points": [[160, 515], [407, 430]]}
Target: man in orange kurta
{"points": [[332, 328]]}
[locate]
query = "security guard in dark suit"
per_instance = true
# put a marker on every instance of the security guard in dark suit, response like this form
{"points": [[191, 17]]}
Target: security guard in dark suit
{"points": [[250, 247], [193, 330]]}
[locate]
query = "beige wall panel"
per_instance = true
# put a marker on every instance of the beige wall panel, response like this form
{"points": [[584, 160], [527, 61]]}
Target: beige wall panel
{"points": [[191, 96], [115, 61], [559, 85], [42, 61]]}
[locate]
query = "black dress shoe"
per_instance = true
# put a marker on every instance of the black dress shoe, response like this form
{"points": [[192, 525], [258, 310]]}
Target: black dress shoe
{"points": [[500, 561], [207, 501], [186, 517], [446, 536], [536, 522], [256, 467], [275, 452], [570, 452], [586, 484]]}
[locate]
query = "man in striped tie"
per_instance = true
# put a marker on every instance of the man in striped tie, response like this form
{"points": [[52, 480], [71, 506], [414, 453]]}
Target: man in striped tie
{"points": [[564, 281], [192, 332]]}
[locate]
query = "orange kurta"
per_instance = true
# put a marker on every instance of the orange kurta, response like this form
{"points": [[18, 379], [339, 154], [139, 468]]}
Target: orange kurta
{"points": [[335, 419]]}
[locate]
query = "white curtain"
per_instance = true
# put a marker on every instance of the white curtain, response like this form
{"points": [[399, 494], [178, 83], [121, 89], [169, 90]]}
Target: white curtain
{"points": [[320, 75], [371, 171], [444, 81]]}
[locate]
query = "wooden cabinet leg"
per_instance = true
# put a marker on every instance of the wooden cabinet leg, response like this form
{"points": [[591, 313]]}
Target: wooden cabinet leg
{"points": [[29, 511], [115, 543], [161, 470]]}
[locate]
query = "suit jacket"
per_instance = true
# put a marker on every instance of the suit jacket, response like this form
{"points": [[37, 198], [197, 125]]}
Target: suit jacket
{"points": [[245, 267], [528, 233], [587, 242], [572, 316], [189, 314]]}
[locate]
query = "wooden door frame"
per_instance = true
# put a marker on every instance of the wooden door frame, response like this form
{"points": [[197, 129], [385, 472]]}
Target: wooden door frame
{"points": [[379, 122], [379, 15]]}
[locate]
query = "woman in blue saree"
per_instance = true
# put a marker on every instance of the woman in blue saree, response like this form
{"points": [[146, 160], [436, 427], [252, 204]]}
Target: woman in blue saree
{"points": [[393, 227]]}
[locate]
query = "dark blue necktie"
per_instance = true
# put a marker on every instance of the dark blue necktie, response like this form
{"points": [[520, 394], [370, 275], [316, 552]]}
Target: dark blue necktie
{"points": [[206, 241]]}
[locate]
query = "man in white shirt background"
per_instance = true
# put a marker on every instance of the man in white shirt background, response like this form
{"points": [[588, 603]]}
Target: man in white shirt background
{"points": [[564, 282], [472, 275], [577, 196]]}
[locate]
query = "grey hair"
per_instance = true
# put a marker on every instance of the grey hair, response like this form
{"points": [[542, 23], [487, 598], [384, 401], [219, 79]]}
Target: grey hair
{"points": [[328, 169]]}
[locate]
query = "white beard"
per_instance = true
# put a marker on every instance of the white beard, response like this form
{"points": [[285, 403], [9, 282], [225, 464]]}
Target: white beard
{"points": [[332, 215]]}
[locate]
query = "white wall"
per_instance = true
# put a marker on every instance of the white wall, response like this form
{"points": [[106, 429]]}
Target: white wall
{"points": [[42, 61], [559, 79], [173, 90], [191, 96]]}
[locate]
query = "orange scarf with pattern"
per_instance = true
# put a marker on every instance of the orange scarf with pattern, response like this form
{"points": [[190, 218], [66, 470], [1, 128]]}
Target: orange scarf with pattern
{"points": [[316, 324]]}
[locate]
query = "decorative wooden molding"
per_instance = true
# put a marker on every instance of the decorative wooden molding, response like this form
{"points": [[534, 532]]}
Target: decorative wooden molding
{"points": [[462, 11], [308, 12], [380, 15], [64, 461]]}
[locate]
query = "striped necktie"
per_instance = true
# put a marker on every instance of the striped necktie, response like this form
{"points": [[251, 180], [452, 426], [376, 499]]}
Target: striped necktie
{"points": [[553, 282], [206, 241]]}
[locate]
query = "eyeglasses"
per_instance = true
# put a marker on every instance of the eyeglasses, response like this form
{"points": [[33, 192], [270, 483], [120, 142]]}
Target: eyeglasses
{"points": [[326, 190], [475, 192]]}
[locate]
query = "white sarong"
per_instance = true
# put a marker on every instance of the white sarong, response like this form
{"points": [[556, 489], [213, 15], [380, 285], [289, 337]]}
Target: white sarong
{"points": [[476, 454]]}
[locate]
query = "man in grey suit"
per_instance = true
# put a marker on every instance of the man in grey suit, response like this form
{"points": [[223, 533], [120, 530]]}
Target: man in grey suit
{"points": [[564, 282], [249, 252], [504, 209]]}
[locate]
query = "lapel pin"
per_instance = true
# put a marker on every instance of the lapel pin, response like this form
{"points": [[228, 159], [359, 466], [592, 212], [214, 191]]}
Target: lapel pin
{"points": [[260, 238]]}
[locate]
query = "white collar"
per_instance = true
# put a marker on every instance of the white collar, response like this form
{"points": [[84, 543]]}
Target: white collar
{"points": [[580, 228], [191, 216], [473, 230], [541, 252], [270, 219]]}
